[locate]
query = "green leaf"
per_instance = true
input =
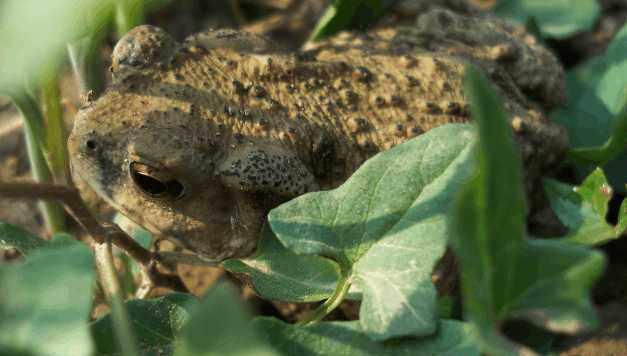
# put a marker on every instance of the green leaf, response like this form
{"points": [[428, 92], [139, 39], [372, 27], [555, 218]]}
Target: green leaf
{"points": [[346, 338], [394, 205], [556, 18], [583, 209], [12, 236], [622, 217], [155, 323], [45, 302], [219, 326], [612, 87], [349, 14], [504, 275], [614, 146], [35, 33], [334, 19], [596, 117], [279, 274]]}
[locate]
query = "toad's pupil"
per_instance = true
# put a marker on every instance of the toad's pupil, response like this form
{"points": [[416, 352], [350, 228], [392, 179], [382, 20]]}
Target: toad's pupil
{"points": [[149, 184], [154, 187]]}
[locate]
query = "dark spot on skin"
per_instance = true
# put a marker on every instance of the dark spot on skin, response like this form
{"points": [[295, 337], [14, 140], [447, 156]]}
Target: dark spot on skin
{"points": [[246, 113], [413, 82], [368, 147], [230, 111], [259, 91], [306, 56], [416, 131], [454, 108], [351, 97], [309, 87], [362, 74], [323, 150], [231, 64], [444, 19], [110, 176], [239, 88], [409, 61], [274, 105], [263, 121], [433, 108]]}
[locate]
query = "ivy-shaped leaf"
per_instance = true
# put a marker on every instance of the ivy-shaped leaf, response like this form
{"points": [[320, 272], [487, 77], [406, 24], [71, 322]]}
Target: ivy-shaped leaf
{"points": [[155, 323], [583, 209], [386, 227], [453, 338], [12, 236], [556, 18], [279, 274], [219, 325], [596, 116], [504, 275], [45, 302]]}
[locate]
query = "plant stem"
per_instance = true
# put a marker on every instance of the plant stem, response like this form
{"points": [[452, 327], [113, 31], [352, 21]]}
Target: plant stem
{"points": [[111, 286], [341, 290], [55, 127], [128, 14], [77, 208], [87, 64], [52, 212]]}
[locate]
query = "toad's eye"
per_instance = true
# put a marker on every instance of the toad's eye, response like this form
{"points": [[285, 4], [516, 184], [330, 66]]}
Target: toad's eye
{"points": [[154, 183]]}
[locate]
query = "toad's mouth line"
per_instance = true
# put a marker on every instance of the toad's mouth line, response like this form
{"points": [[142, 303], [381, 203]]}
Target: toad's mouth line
{"points": [[87, 180], [136, 217]]}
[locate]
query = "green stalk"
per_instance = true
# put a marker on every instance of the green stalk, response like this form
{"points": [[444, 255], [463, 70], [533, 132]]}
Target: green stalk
{"points": [[111, 285], [341, 290], [55, 127], [87, 63], [128, 14], [52, 212]]}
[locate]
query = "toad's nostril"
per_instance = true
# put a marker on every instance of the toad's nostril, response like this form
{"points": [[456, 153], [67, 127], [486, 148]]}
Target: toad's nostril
{"points": [[91, 144]]}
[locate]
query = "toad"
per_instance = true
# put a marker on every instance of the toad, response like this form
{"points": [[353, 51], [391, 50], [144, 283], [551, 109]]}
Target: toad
{"points": [[197, 141]]}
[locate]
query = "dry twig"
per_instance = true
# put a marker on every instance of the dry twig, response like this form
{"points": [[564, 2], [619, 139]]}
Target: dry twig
{"points": [[76, 207]]}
